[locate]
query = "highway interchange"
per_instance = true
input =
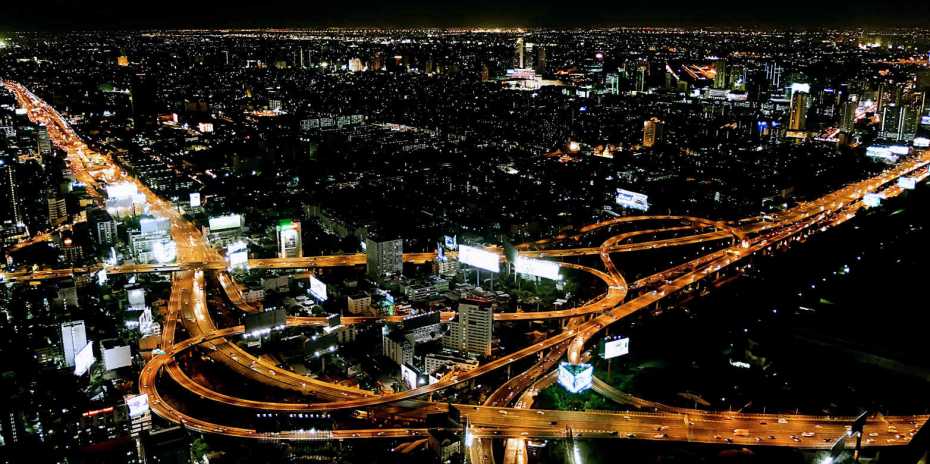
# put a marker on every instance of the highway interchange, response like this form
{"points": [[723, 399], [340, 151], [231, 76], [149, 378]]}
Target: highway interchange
{"points": [[507, 413]]}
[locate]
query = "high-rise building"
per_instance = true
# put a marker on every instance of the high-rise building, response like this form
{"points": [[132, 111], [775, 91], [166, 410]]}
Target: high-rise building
{"points": [[540, 60], [57, 211], [289, 241], [773, 74], [519, 52], [472, 329], [653, 129], [103, 227], [12, 201], [355, 65], [797, 119], [848, 122], [640, 83], [73, 339], [613, 83], [44, 144], [384, 257], [720, 77]]}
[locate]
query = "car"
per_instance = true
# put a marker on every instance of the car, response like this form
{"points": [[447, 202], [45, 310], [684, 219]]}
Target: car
{"points": [[660, 436], [873, 434], [807, 434], [631, 435]]}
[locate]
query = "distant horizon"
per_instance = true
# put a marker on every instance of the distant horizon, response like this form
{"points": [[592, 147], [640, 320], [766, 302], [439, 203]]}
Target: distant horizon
{"points": [[79, 15]]}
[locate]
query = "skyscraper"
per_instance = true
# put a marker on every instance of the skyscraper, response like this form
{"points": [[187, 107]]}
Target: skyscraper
{"points": [[384, 257], [472, 329], [57, 211], [289, 240], [720, 78], [653, 129], [13, 203], [44, 143], [540, 59], [73, 339], [520, 50], [797, 119]]}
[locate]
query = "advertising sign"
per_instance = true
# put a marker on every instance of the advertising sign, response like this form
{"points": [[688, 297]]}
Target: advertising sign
{"points": [[479, 258], [575, 378], [317, 288], [615, 347], [409, 376], [632, 200], [138, 405], [165, 251], [451, 242], [195, 199], [907, 183], [537, 267], [231, 221], [237, 255], [872, 199]]}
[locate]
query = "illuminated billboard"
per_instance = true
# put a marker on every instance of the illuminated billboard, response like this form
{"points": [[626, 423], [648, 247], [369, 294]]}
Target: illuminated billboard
{"points": [[84, 359], [537, 267], [479, 258], [921, 142], [317, 288], [925, 120], [451, 243], [872, 199], [907, 183], [881, 152], [116, 357], [165, 251], [195, 199], [575, 378], [632, 200], [231, 221], [615, 347], [138, 405], [136, 298], [409, 376], [289, 244], [440, 253], [237, 255]]}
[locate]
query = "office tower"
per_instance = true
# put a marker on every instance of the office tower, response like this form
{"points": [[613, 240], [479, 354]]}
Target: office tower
{"points": [[640, 85], [485, 73], [541, 60], [355, 65], [653, 129], [520, 50], [891, 121], [384, 257], [289, 240], [720, 77], [12, 202], [57, 211], [613, 83], [122, 61], [773, 74], [44, 143], [848, 122], [797, 119], [73, 339], [102, 226], [472, 329]]}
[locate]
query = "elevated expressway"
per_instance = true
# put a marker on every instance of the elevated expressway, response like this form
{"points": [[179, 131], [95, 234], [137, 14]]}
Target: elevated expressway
{"points": [[187, 305]]}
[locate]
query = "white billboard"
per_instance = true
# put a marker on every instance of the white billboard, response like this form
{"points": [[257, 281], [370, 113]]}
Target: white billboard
{"points": [[575, 378], [921, 142], [117, 357], [881, 152], [632, 200], [237, 255], [231, 221], [165, 251], [138, 405], [537, 267], [479, 258], [317, 288], [84, 359], [409, 376], [907, 183], [617, 347], [872, 199], [195, 199], [136, 298]]}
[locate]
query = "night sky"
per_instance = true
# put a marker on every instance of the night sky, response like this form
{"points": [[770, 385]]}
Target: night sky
{"points": [[120, 14]]}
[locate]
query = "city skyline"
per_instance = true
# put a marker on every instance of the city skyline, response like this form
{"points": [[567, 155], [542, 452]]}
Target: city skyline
{"points": [[464, 245]]}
